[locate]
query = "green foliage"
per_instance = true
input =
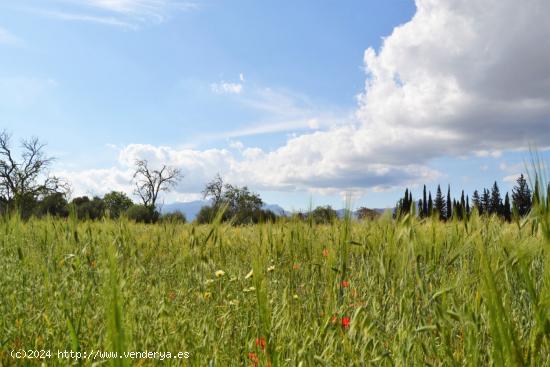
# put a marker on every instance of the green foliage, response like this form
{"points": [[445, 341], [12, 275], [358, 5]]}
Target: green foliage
{"points": [[54, 205], [89, 209], [415, 292], [323, 215], [142, 214], [117, 203], [205, 215], [239, 204], [173, 217]]}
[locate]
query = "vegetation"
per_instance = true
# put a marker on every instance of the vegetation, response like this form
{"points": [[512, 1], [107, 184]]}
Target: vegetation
{"points": [[385, 292], [490, 203], [439, 282], [235, 204]]}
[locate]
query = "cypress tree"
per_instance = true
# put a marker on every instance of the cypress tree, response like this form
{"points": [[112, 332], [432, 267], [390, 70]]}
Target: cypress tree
{"points": [[430, 204], [506, 211], [449, 210], [406, 204], [495, 203], [439, 203], [476, 200], [521, 196], [425, 203], [467, 206], [462, 212], [420, 206], [485, 201]]}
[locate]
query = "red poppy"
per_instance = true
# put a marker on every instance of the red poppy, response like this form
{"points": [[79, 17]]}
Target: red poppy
{"points": [[253, 357], [260, 342], [296, 266], [345, 283], [345, 322], [325, 252]]}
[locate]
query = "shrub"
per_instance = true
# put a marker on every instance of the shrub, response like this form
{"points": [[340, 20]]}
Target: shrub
{"points": [[142, 214], [205, 215], [173, 217]]}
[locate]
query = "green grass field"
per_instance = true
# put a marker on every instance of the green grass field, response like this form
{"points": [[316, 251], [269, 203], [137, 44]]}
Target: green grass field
{"points": [[414, 292]]}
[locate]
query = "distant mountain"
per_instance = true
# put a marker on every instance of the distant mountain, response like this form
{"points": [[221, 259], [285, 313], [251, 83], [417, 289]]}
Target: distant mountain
{"points": [[277, 209], [192, 208]]}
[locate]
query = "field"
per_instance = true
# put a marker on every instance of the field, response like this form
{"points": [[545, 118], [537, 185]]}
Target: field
{"points": [[353, 293]]}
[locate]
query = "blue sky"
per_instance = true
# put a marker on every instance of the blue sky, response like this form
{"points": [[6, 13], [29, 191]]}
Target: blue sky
{"points": [[298, 100]]}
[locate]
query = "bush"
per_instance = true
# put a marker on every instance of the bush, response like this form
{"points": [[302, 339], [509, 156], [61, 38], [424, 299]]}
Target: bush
{"points": [[89, 209], [116, 203], [205, 215], [142, 214], [173, 217], [324, 215], [54, 204]]}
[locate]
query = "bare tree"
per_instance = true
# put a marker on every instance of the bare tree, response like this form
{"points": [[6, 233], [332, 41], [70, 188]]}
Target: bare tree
{"points": [[150, 182], [26, 179], [214, 191]]}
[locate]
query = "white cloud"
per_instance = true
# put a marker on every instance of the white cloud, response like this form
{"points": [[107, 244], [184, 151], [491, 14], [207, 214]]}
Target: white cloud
{"points": [[226, 88], [461, 78], [129, 14], [105, 20], [474, 73]]}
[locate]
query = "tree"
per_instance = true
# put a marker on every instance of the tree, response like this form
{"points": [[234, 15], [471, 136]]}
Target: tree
{"points": [[404, 205], [430, 204], [468, 211], [366, 213], [214, 191], [54, 204], [324, 215], [463, 210], [89, 209], [521, 196], [424, 203], [439, 203], [24, 181], [449, 210], [495, 204], [486, 202], [150, 182], [506, 210], [173, 217], [476, 200], [142, 214], [117, 202], [241, 205], [205, 215]]}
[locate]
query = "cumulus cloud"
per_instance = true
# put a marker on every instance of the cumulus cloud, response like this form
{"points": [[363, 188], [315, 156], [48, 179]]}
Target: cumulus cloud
{"points": [[473, 73], [460, 78]]}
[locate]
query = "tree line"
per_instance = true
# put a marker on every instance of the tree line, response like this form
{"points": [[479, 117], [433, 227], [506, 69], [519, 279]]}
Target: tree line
{"points": [[488, 202], [27, 189]]}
